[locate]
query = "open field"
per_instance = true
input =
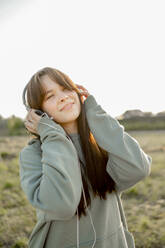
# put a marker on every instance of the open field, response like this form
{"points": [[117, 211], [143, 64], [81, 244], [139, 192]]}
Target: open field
{"points": [[144, 203]]}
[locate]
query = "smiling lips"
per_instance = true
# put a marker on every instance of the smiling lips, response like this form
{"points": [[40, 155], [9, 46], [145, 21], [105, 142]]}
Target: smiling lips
{"points": [[67, 106]]}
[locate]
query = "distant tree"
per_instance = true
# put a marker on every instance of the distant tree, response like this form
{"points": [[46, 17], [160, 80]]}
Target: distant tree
{"points": [[15, 125], [3, 126]]}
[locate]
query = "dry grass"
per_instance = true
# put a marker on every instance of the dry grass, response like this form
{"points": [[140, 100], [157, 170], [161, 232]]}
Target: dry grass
{"points": [[144, 203]]}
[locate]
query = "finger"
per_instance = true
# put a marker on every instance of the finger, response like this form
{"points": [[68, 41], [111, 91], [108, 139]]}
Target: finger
{"points": [[84, 91], [29, 111], [30, 131], [29, 126], [81, 91], [81, 87], [32, 116], [32, 112], [28, 123], [29, 118]]}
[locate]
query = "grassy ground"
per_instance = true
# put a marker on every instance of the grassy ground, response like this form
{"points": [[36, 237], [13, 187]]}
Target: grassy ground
{"points": [[144, 203]]}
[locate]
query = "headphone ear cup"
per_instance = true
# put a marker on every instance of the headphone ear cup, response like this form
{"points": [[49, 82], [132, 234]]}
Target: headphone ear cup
{"points": [[39, 112]]}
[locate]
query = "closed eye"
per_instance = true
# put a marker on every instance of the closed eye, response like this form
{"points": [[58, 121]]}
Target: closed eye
{"points": [[63, 88], [49, 96]]}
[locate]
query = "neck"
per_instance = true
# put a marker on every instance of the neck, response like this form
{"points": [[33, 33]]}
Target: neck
{"points": [[70, 128]]}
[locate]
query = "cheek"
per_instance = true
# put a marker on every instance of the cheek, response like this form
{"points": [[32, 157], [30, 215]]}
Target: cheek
{"points": [[76, 97], [79, 105], [49, 107]]}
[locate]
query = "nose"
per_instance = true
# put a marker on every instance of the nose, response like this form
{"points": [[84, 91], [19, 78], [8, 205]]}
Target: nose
{"points": [[63, 97]]}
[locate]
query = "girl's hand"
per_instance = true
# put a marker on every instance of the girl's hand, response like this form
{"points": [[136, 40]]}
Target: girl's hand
{"points": [[83, 92], [31, 121]]}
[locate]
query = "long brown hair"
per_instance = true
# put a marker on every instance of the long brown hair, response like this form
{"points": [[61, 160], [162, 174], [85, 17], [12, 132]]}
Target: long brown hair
{"points": [[94, 175]]}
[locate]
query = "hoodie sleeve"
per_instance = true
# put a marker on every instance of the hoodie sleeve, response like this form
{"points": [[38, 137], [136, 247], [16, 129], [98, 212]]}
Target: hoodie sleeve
{"points": [[50, 173], [127, 162]]}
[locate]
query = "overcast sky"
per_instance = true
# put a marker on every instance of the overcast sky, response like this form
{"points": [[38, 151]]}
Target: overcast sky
{"points": [[116, 49]]}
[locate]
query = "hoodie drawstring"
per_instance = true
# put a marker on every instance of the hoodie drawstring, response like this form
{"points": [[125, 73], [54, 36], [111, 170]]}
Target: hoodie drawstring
{"points": [[90, 220]]}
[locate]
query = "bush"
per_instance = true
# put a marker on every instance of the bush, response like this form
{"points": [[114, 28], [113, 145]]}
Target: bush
{"points": [[151, 123], [15, 126]]}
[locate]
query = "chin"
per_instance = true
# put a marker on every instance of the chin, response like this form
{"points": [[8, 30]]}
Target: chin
{"points": [[70, 118]]}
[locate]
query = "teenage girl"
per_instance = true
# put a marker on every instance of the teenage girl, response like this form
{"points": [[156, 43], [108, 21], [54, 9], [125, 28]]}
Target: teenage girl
{"points": [[76, 166]]}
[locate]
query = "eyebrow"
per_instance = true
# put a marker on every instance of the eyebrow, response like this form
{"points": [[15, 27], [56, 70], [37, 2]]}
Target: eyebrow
{"points": [[53, 90], [48, 92]]}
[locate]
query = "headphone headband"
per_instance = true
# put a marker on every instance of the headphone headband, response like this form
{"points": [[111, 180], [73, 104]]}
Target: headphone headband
{"points": [[24, 98]]}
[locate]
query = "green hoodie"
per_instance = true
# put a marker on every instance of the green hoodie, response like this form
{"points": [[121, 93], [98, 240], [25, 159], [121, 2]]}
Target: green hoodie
{"points": [[50, 176]]}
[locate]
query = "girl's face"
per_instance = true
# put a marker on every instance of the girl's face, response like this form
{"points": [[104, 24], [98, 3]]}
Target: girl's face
{"points": [[61, 104]]}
